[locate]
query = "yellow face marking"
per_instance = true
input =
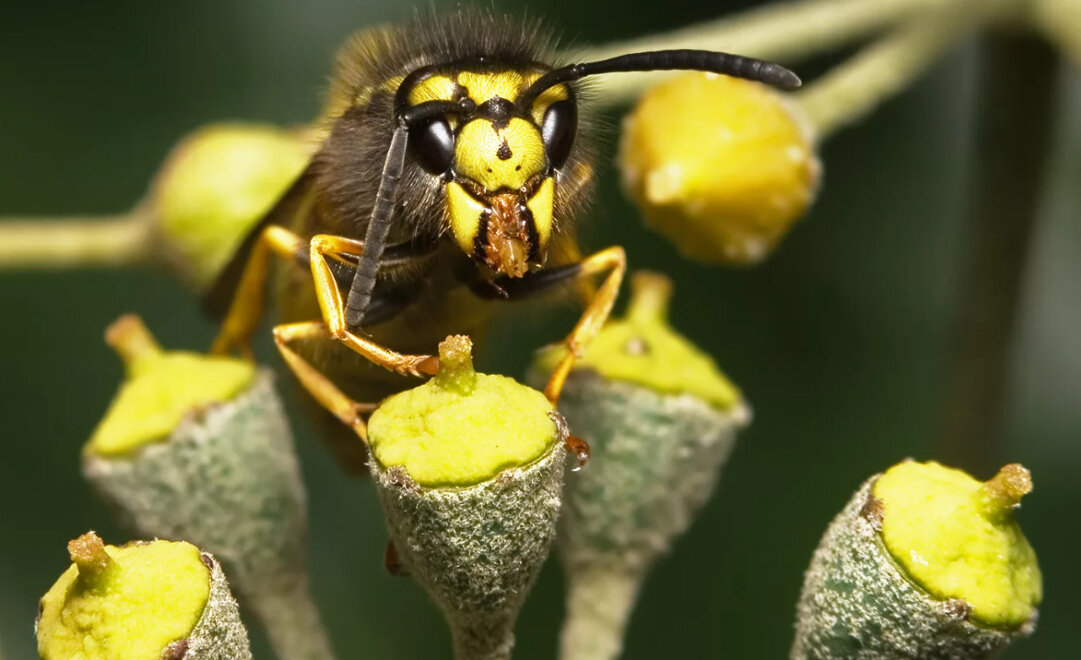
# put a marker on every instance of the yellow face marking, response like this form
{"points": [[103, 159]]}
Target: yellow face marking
{"points": [[487, 85], [434, 88], [499, 158], [465, 215], [540, 205], [547, 98]]}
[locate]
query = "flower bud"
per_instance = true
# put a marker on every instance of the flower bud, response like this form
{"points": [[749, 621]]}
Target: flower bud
{"points": [[198, 448], [159, 600], [468, 469], [720, 166], [215, 185], [661, 420], [923, 562]]}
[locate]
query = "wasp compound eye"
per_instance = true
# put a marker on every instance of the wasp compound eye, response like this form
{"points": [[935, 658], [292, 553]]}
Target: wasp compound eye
{"points": [[558, 131], [433, 142]]}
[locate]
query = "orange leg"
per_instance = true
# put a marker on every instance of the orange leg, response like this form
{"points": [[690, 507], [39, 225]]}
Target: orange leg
{"points": [[333, 311], [325, 392], [246, 309], [612, 260]]}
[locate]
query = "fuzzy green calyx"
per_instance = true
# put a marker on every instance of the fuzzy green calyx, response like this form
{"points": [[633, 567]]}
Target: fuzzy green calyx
{"points": [[642, 348], [461, 427], [125, 603], [160, 390], [216, 185], [957, 538]]}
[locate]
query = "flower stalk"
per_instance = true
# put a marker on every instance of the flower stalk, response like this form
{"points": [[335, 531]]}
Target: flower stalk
{"points": [[887, 67]]}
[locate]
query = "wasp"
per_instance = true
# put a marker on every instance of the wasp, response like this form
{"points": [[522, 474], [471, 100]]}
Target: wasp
{"points": [[453, 166]]}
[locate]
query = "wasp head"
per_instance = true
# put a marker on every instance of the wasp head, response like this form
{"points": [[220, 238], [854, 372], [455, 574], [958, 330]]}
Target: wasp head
{"points": [[498, 154]]}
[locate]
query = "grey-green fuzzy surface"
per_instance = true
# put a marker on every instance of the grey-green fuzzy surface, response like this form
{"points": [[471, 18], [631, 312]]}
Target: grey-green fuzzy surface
{"points": [[219, 634], [856, 603], [655, 461], [227, 480], [476, 550]]}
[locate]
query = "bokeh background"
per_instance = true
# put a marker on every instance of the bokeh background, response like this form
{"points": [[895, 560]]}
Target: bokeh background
{"points": [[841, 341]]}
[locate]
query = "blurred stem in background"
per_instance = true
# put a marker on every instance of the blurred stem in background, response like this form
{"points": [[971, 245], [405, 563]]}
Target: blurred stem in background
{"points": [[1013, 133], [76, 242]]}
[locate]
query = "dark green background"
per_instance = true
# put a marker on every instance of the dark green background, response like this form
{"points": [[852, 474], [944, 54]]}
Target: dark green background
{"points": [[840, 341]]}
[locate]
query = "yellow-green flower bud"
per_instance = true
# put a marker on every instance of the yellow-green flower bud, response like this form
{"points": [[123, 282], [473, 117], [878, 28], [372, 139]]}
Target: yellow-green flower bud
{"points": [[215, 185], [143, 601], [197, 447], [720, 166], [923, 562], [661, 420], [468, 468]]}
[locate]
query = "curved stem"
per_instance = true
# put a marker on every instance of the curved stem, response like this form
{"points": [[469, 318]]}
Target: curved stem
{"points": [[599, 605], [784, 31], [884, 69], [48, 243], [288, 613]]}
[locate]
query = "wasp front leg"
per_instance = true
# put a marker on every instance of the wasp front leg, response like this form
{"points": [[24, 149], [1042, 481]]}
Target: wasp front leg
{"points": [[612, 260], [333, 311]]}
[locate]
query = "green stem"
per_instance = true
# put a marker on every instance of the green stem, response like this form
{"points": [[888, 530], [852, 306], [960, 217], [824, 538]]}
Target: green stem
{"points": [[599, 604], [288, 613], [54, 244], [884, 69], [784, 31], [482, 639], [1013, 135]]}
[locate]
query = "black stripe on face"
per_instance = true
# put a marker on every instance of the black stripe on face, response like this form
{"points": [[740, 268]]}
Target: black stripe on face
{"points": [[531, 233], [480, 241]]}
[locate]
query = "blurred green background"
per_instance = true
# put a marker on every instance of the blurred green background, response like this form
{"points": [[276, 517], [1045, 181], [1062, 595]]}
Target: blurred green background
{"points": [[840, 341]]}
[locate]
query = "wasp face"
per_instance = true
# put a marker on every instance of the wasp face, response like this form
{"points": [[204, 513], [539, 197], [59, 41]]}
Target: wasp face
{"points": [[498, 163]]}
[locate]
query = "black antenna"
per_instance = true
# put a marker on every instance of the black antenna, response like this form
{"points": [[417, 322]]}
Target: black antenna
{"points": [[375, 238], [667, 60]]}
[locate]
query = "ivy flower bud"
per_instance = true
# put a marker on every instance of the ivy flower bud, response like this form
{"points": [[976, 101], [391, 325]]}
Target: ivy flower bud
{"points": [[215, 185], [661, 420], [923, 562], [720, 166], [155, 600], [198, 448], [468, 468]]}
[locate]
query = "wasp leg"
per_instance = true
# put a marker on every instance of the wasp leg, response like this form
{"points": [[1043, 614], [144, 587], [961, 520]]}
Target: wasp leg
{"points": [[248, 301], [612, 260], [333, 311], [319, 386]]}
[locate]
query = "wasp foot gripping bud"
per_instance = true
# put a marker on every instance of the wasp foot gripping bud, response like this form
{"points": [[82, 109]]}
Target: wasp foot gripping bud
{"points": [[155, 600], [468, 468], [198, 448], [923, 562], [215, 185], [721, 166], [661, 419]]}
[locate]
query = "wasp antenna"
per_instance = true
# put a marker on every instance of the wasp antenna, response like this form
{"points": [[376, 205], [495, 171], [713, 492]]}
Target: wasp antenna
{"points": [[667, 60], [375, 238]]}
